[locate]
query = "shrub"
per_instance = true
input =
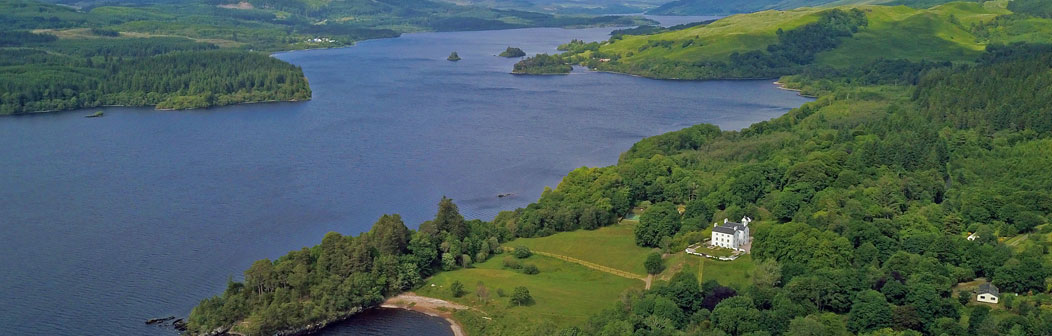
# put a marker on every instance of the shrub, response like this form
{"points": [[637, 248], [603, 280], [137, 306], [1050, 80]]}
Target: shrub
{"points": [[512, 263], [654, 264], [522, 252], [449, 263], [964, 297], [530, 269], [457, 289], [521, 297]]}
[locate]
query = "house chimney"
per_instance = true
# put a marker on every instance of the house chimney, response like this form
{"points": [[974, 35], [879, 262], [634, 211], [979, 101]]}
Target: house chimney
{"points": [[724, 221]]}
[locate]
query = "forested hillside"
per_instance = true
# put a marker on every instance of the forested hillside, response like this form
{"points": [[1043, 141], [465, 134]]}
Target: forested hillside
{"points": [[872, 189], [1037, 8]]}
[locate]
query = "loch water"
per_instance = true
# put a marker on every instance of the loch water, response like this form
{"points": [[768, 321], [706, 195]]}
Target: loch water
{"points": [[106, 222]]}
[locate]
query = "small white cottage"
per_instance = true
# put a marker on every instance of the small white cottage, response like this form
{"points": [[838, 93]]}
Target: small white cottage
{"points": [[988, 293]]}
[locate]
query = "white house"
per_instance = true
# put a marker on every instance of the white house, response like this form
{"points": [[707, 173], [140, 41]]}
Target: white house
{"points": [[972, 236], [731, 235], [988, 293]]}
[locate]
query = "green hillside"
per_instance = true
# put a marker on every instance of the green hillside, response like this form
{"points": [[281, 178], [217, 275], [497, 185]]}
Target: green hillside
{"points": [[723, 7], [770, 44]]}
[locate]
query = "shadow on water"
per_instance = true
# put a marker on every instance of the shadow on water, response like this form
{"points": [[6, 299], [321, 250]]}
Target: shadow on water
{"points": [[390, 322]]}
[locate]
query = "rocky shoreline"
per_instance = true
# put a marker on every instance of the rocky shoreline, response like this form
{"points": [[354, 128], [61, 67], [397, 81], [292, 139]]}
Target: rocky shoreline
{"points": [[407, 301], [309, 329], [318, 326]]}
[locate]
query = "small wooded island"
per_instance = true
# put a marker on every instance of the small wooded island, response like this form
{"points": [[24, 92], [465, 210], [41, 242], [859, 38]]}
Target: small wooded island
{"points": [[543, 64], [512, 52], [453, 57]]}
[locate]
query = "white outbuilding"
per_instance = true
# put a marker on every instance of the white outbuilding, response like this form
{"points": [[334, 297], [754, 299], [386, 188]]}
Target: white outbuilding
{"points": [[988, 293]]}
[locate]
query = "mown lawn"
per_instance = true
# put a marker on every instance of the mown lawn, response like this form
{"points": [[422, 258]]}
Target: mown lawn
{"points": [[715, 251], [564, 293], [612, 246]]}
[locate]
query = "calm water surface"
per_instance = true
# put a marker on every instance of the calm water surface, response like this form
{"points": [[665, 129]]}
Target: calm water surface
{"points": [[107, 222]]}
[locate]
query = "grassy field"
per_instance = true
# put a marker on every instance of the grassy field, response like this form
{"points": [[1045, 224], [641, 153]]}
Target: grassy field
{"points": [[567, 293], [612, 246], [564, 293], [736, 273]]}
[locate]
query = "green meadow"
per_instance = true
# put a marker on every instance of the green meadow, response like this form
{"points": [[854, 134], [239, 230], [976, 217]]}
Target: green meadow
{"points": [[612, 246], [736, 273], [564, 293]]}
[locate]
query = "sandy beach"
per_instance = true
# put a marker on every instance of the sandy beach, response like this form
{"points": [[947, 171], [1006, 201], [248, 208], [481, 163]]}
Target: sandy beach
{"points": [[430, 306]]}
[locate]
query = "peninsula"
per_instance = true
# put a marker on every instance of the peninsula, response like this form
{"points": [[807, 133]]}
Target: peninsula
{"points": [[543, 64]]}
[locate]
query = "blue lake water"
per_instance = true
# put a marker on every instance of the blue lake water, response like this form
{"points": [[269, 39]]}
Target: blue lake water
{"points": [[107, 222]]}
